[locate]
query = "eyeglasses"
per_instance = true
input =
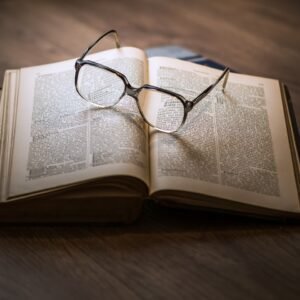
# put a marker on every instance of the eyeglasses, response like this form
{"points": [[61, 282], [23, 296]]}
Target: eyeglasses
{"points": [[104, 87]]}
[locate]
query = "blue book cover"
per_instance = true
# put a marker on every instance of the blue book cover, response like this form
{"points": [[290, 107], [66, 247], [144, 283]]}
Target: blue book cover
{"points": [[184, 54]]}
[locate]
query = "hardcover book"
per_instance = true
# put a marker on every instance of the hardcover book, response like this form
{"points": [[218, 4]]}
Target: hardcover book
{"points": [[65, 161]]}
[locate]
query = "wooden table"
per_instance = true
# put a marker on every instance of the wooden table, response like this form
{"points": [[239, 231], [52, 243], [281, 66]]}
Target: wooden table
{"points": [[167, 254]]}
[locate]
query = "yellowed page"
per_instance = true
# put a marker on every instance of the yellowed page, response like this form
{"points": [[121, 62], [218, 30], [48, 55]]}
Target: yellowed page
{"points": [[60, 139], [233, 146]]}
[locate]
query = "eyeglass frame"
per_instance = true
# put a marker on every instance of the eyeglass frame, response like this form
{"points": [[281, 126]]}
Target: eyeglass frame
{"points": [[134, 92]]}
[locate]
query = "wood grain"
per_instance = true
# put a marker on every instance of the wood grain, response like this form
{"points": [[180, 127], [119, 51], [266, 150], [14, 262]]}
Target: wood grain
{"points": [[167, 254]]}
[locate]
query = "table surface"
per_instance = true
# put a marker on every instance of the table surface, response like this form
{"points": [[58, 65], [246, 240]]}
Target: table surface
{"points": [[167, 254]]}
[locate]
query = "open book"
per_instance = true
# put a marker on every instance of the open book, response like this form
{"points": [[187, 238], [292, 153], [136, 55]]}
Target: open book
{"points": [[63, 160]]}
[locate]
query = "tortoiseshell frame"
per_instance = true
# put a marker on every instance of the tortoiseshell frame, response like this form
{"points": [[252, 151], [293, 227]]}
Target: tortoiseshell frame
{"points": [[134, 92]]}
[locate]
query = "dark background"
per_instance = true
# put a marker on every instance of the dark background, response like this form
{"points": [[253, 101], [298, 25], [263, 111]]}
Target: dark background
{"points": [[167, 254]]}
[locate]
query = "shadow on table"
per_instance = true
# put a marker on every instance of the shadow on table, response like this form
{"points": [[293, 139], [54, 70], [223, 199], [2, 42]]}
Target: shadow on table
{"points": [[157, 220]]}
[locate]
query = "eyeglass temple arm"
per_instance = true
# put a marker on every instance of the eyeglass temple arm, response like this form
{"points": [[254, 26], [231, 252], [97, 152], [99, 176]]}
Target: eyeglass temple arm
{"points": [[224, 75], [116, 36]]}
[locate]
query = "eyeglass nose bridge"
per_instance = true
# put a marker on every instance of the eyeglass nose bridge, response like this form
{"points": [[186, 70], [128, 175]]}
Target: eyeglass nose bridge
{"points": [[131, 91]]}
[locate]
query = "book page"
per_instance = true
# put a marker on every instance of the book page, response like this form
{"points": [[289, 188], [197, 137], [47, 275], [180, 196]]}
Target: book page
{"points": [[234, 145], [61, 139]]}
